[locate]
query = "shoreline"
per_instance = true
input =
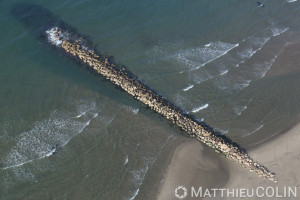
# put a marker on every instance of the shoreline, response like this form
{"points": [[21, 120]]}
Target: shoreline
{"points": [[203, 165], [275, 136], [280, 153]]}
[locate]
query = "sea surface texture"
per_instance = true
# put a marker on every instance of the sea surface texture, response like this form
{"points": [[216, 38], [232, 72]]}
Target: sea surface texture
{"points": [[66, 133]]}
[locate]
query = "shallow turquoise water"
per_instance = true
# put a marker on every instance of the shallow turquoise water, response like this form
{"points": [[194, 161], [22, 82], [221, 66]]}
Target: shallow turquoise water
{"points": [[209, 57]]}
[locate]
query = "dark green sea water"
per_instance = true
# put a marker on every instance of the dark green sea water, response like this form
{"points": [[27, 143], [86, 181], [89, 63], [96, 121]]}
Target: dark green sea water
{"points": [[211, 57]]}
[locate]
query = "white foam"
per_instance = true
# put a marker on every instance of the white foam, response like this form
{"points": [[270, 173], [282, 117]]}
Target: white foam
{"points": [[262, 69], [83, 107], [199, 120], [81, 114], [199, 78], [239, 109], [257, 44], [195, 110], [135, 110], [245, 84], [39, 142], [256, 71], [277, 31], [246, 54], [51, 152], [188, 87], [132, 109], [138, 178], [227, 85], [139, 175], [224, 72], [198, 57], [207, 45], [291, 1], [135, 194], [255, 130], [83, 127], [17, 165], [262, 42], [126, 160], [52, 36]]}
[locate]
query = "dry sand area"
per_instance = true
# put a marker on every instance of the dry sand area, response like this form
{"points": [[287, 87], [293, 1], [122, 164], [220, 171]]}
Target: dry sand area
{"points": [[195, 165]]}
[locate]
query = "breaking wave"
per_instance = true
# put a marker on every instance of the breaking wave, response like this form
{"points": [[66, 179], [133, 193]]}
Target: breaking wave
{"points": [[138, 178], [224, 72], [126, 160], [48, 135], [256, 44], [255, 130], [133, 110], [260, 70], [278, 31], [188, 87], [198, 57], [52, 38], [195, 110], [239, 109]]}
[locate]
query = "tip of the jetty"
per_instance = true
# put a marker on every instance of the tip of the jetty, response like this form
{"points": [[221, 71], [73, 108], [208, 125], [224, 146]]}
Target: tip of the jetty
{"points": [[156, 102]]}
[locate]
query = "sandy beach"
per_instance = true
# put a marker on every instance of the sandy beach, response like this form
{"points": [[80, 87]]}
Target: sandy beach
{"points": [[192, 164], [195, 165]]}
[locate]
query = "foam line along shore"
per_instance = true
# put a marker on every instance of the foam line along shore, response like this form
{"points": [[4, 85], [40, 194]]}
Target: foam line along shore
{"points": [[76, 48]]}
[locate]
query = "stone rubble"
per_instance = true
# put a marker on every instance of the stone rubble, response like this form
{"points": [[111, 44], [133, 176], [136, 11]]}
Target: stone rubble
{"points": [[125, 80]]}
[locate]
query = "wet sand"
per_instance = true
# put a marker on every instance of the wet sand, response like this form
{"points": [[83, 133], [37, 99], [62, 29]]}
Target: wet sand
{"points": [[287, 62], [281, 154], [192, 166]]}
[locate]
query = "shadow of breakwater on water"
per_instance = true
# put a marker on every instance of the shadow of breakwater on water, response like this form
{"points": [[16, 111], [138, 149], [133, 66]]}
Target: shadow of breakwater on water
{"points": [[37, 20], [51, 30]]}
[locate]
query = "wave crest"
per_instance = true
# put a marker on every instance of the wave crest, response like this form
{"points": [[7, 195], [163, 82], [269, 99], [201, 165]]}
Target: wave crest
{"points": [[47, 135]]}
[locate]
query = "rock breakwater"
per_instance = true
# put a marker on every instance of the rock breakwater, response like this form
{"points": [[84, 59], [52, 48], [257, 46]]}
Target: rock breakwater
{"points": [[127, 81]]}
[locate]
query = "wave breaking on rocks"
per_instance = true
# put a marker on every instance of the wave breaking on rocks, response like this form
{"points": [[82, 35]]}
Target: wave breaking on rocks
{"points": [[121, 77]]}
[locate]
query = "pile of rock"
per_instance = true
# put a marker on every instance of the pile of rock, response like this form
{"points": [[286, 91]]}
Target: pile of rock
{"points": [[125, 80]]}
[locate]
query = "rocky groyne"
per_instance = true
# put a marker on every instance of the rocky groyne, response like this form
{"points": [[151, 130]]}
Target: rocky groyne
{"points": [[125, 80]]}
